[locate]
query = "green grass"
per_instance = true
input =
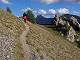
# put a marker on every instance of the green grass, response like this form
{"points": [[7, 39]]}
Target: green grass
{"points": [[18, 47], [22, 24], [18, 51], [51, 30]]}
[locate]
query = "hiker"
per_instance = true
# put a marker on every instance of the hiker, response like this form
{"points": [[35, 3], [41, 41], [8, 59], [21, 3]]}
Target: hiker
{"points": [[25, 18]]}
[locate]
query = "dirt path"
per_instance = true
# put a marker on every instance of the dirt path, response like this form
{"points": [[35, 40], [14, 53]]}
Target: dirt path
{"points": [[25, 46]]}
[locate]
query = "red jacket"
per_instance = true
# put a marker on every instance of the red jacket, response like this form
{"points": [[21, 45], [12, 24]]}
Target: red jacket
{"points": [[25, 17]]}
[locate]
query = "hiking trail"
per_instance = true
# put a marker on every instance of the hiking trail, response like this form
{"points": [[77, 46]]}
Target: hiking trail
{"points": [[26, 48]]}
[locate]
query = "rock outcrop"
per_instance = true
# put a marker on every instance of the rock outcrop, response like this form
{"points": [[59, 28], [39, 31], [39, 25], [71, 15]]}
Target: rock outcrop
{"points": [[71, 35], [59, 20], [67, 27]]}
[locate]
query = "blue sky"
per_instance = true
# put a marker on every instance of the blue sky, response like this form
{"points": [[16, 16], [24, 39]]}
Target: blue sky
{"points": [[72, 7]]}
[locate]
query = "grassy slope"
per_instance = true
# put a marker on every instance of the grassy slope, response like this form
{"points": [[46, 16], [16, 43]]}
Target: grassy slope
{"points": [[12, 25], [44, 44], [48, 45]]}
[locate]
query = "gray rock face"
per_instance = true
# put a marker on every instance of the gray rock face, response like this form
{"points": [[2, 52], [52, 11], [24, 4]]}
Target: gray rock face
{"points": [[79, 25], [71, 35], [68, 27], [59, 20], [74, 20]]}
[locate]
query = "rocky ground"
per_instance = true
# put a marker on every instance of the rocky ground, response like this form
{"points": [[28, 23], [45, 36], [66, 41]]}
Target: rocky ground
{"points": [[6, 48]]}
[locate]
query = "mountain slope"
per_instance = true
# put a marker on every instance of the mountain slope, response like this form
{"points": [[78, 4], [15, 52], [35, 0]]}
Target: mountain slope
{"points": [[49, 46], [10, 29], [40, 44]]}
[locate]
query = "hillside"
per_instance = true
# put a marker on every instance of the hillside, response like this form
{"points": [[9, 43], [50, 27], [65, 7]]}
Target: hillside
{"points": [[10, 29], [27, 41], [46, 45]]}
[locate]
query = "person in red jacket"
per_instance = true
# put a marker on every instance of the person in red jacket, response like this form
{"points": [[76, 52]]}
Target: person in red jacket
{"points": [[25, 18]]}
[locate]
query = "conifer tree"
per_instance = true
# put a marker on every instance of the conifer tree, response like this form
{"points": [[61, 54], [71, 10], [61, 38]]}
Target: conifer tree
{"points": [[31, 16]]}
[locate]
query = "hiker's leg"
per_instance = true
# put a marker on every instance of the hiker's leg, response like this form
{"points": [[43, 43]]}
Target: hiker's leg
{"points": [[25, 20]]}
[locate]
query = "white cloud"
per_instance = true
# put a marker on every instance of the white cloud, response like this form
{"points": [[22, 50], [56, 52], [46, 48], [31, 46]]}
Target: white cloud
{"points": [[35, 11], [41, 11], [73, 0], [76, 13], [77, 1], [52, 11], [54, 1], [5, 1], [63, 11], [49, 1], [26, 9]]}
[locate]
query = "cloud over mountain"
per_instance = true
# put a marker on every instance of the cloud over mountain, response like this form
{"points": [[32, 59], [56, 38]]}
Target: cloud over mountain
{"points": [[54, 1], [73, 0], [49, 1], [52, 11], [5, 1], [63, 11], [41, 11], [49, 11], [76, 13], [26, 9]]}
